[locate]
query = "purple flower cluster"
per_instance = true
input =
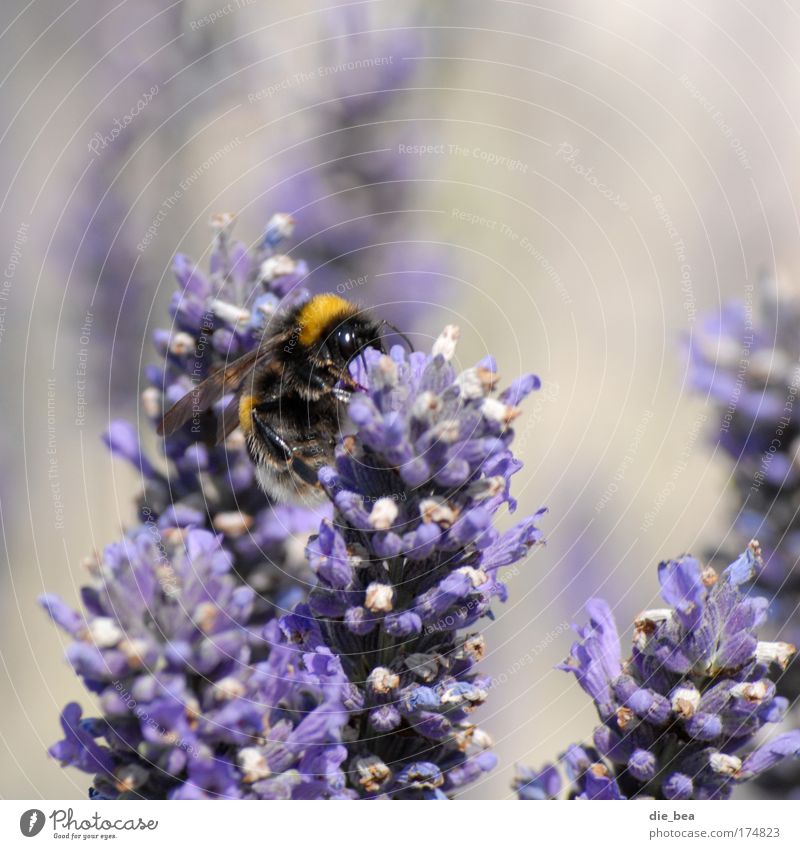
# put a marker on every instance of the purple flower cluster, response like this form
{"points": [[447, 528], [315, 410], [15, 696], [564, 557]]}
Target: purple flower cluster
{"points": [[409, 564], [681, 716], [217, 317], [199, 694], [367, 688], [747, 362], [195, 703]]}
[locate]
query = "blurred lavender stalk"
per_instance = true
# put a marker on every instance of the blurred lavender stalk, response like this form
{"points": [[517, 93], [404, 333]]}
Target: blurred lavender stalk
{"points": [[348, 187], [131, 51], [747, 361], [347, 182]]}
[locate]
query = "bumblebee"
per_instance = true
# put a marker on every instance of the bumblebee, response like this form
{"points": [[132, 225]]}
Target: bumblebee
{"points": [[289, 393]]}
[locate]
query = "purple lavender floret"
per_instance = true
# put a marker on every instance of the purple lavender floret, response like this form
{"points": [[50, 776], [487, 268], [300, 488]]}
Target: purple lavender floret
{"points": [[747, 362], [537, 784], [408, 566], [217, 317], [684, 716], [194, 702]]}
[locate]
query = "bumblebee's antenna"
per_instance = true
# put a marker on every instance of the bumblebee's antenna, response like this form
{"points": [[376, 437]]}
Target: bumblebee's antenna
{"points": [[385, 323]]}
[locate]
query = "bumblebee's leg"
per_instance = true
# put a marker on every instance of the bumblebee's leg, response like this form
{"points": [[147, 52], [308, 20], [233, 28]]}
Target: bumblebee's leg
{"points": [[283, 450], [280, 448], [316, 380], [310, 376], [305, 472]]}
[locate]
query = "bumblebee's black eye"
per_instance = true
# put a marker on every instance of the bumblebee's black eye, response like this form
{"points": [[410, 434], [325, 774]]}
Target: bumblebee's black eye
{"points": [[348, 342]]}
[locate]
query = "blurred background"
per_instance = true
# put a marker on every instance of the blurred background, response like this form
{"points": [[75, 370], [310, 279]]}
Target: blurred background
{"points": [[575, 184]]}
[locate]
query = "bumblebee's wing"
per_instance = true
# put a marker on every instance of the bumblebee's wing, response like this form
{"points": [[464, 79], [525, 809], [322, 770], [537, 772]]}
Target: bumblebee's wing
{"points": [[204, 395], [228, 420]]}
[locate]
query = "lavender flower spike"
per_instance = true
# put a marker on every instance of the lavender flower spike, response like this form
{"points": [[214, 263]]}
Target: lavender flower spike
{"points": [[746, 363], [218, 315], [409, 561], [199, 695], [679, 717], [194, 704]]}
